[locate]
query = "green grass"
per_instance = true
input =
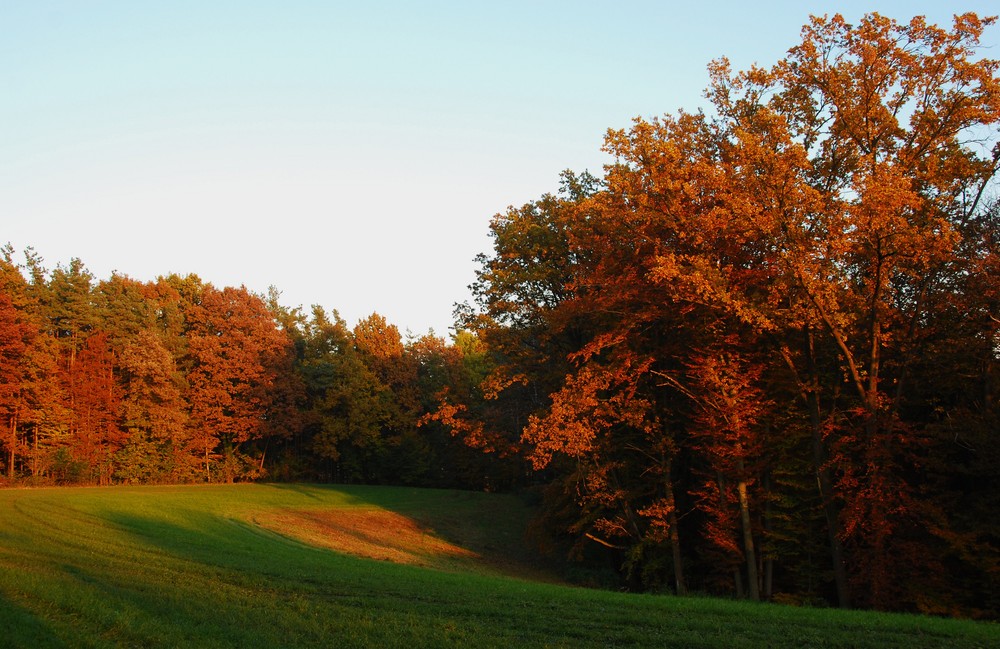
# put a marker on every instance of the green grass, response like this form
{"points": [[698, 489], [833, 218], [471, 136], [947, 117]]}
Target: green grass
{"points": [[189, 567]]}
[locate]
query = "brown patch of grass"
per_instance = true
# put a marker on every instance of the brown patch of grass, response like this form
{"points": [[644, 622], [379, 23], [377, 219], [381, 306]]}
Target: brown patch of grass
{"points": [[370, 533]]}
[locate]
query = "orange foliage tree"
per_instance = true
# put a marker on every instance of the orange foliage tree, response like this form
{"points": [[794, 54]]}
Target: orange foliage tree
{"points": [[16, 338], [94, 398], [816, 217], [234, 347]]}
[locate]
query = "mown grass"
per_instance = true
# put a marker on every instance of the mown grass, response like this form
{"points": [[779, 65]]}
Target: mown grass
{"points": [[189, 567]]}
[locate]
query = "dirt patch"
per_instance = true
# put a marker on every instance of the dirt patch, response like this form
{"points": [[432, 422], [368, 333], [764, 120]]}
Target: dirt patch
{"points": [[368, 533]]}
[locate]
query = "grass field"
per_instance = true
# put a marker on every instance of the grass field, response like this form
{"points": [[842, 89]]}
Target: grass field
{"points": [[309, 566]]}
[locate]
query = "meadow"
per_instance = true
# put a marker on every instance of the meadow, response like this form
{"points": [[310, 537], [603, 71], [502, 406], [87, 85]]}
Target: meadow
{"points": [[316, 566]]}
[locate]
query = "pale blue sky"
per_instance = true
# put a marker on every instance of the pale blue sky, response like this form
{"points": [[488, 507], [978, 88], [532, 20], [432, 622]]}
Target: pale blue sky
{"points": [[350, 154]]}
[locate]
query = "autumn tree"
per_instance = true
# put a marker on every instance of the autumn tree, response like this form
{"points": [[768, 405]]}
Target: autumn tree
{"points": [[519, 288], [37, 418], [443, 372], [816, 217], [154, 415], [94, 402], [468, 417], [726, 428], [858, 158], [16, 338], [233, 344], [516, 320]]}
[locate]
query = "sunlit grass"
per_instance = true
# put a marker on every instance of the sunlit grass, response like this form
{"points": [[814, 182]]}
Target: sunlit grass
{"points": [[254, 566]]}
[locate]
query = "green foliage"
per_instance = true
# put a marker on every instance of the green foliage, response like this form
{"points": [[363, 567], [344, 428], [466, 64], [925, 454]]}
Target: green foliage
{"points": [[66, 469], [138, 461]]}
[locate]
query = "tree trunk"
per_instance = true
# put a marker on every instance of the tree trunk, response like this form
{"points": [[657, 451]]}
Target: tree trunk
{"points": [[34, 454], [13, 446], [675, 542], [824, 481], [748, 547], [768, 561]]}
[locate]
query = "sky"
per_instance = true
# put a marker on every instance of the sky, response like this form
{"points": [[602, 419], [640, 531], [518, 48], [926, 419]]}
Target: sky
{"points": [[350, 154]]}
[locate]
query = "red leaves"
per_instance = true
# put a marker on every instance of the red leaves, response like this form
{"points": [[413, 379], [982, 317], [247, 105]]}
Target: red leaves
{"points": [[94, 403]]}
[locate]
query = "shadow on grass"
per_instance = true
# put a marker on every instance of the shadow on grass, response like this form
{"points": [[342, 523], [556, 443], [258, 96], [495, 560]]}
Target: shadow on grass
{"points": [[23, 629], [198, 579], [491, 527], [263, 590], [203, 538], [309, 491], [159, 570]]}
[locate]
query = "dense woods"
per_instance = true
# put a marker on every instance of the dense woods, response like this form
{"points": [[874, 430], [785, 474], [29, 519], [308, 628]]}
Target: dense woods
{"points": [[757, 357], [120, 381]]}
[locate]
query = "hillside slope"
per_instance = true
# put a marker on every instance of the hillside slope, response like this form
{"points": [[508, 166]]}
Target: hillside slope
{"points": [[254, 566]]}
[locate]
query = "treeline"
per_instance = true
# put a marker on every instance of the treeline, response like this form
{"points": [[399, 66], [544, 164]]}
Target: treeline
{"points": [[122, 382], [760, 355]]}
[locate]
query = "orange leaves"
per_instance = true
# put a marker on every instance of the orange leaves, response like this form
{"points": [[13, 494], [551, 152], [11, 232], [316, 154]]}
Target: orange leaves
{"points": [[378, 337], [591, 402], [852, 161], [17, 337], [571, 424], [697, 280], [499, 380], [472, 431], [236, 349], [894, 228], [659, 513], [813, 232]]}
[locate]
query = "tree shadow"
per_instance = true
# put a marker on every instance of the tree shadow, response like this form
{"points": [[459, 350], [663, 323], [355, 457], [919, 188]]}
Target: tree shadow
{"points": [[21, 628], [309, 491], [490, 531], [199, 580]]}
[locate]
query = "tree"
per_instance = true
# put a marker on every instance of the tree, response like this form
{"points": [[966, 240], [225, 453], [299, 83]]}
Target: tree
{"points": [[380, 347], [817, 219], [730, 406], [33, 399], [233, 343], [66, 303], [154, 415], [819, 146], [523, 336], [125, 307], [16, 337], [94, 398], [810, 211], [350, 407]]}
